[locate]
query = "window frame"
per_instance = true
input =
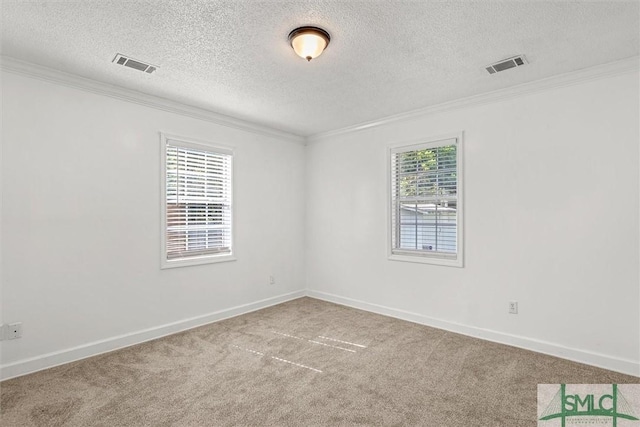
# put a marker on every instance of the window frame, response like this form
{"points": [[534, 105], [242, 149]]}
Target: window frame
{"points": [[196, 144], [427, 257]]}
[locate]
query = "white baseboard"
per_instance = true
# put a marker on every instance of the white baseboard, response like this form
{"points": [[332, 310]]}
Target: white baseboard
{"points": [[27, 366], [599, 360], [38, 363]]}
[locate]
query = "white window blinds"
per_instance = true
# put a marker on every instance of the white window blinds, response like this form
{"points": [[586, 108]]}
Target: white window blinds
{"points": [[424, 199], [198, 201]]}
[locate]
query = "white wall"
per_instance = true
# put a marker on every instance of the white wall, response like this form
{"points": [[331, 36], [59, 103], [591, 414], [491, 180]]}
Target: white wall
{"points": [[552, 221], [551, 217], [81, 221], [1, 236]]}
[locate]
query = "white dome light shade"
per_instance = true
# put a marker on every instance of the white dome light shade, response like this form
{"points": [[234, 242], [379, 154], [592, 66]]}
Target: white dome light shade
{"points": [[309, 42]]}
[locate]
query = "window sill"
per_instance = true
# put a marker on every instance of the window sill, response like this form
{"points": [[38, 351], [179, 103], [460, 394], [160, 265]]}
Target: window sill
{"points": [[196, 261], [424, 259]]}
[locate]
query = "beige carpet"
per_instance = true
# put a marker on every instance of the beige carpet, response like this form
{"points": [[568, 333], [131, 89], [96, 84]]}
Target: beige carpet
{"points": [[302, 363]]}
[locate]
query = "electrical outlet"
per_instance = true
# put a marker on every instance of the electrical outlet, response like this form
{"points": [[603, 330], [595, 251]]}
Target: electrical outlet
{"points": [[513, 307], [272, 280], [15, 331], [11, 331]]}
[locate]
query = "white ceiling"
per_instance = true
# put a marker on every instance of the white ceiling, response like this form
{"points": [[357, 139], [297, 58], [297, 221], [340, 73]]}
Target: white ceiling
{"points": [[385, 57]]}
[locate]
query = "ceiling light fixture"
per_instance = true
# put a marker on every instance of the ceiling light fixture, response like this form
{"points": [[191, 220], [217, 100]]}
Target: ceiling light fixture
{"points": [[309, 42]]}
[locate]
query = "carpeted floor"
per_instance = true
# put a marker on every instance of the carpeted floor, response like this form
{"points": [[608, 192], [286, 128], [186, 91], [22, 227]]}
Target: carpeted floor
{"points": [[302, 363]]}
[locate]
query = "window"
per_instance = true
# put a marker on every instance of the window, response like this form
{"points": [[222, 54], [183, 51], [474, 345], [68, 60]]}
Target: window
{"points": [[197, 203], [426, 202]]}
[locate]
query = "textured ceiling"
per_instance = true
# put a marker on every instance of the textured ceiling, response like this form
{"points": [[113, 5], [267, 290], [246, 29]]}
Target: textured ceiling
{"points": [[385, 57]]}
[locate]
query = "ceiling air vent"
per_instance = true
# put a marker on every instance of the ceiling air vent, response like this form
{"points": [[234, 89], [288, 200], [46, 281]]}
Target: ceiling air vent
{"points": [[132, 63], [505, 64]]}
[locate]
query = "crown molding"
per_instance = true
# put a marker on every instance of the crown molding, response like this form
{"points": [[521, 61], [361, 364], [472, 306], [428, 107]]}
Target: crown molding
{"points": [[610, 69], [16, 66]]}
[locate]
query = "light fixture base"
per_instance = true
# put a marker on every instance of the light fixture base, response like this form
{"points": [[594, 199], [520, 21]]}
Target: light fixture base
{"points": [[309, 42]]}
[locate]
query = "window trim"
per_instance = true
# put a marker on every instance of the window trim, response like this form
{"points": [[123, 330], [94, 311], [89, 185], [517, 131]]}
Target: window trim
{"points": [[419, 256], [197, 145]]}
